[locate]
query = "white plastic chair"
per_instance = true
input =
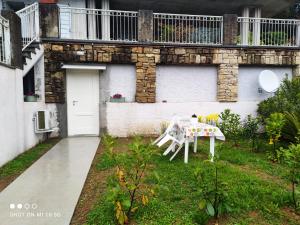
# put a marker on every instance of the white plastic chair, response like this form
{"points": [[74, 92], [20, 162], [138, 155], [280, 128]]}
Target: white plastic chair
{"points": [[169, 129]]}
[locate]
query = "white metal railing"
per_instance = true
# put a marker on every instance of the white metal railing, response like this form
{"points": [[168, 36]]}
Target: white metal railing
{"points": [[268, 32], [5, 47], [30, 24], [98, 24], [189, 29]]}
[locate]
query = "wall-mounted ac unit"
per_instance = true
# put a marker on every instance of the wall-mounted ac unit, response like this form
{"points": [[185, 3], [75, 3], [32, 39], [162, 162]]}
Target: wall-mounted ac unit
{"points": [[42, 122]]}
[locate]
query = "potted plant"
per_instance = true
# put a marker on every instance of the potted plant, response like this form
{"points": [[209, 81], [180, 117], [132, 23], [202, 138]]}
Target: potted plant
{"points": [[117, 98], [31, 97]]}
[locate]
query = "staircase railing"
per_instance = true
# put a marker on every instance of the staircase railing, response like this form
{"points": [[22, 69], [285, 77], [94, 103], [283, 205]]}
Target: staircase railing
{"points": [[30, 24], [5, 49]]}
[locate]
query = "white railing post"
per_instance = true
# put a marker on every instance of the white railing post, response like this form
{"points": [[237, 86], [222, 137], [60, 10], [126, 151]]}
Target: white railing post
{"points": [[37, 22], [7, 43]]}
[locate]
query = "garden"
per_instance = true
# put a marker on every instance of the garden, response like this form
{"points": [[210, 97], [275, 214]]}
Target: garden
{"points": [[254, 179]]}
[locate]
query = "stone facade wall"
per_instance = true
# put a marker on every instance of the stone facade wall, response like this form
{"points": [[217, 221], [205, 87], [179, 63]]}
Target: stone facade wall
{"points": [[146, 58]]}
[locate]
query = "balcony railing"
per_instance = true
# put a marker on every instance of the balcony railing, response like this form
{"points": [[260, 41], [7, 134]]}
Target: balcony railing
{"points": [[4, 41], [163, 28], [187, 29], [97, 24], [268, 32], [30, 24]]}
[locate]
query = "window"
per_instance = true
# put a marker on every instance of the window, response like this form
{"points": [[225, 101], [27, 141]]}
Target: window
{"points": [[29, 87]]}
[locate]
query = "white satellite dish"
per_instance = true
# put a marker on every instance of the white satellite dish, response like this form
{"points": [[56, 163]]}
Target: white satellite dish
{"points": [[268, 81]]}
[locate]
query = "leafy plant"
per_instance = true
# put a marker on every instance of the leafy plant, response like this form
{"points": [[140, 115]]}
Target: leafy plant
{"points": [[274, 125], [231, 125], [213, 191], [291, 129], [292, 159], [250, 129], [287, 98], [128, 190]]}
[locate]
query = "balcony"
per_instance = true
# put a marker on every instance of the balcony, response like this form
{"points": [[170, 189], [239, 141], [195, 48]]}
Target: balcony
{"points": [[144, 26]]}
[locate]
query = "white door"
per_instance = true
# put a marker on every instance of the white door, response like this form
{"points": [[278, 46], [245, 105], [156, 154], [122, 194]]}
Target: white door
{"points": [[83, 102]]}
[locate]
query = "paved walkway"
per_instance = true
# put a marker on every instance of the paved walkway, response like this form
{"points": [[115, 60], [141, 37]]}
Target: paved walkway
{"points": [[47, 192]]}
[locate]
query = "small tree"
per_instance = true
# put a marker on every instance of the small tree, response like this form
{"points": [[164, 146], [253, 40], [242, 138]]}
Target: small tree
{"points": [[274, 125], [128, 190], [250, 129], [231, 125], [213, 189], [292, 158]]}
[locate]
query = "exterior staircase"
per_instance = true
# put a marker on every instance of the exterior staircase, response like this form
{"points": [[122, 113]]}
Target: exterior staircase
{"points": [[31, 55]]}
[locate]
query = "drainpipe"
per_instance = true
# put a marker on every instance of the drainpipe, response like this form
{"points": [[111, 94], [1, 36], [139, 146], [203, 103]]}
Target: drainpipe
{"points": [[105, 21]]}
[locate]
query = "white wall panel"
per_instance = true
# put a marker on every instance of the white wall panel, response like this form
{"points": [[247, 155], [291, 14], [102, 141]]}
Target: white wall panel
{"points": [[186, 83]]}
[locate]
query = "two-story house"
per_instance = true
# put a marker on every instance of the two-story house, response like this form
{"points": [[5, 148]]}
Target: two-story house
{"points": [[164, 57]]}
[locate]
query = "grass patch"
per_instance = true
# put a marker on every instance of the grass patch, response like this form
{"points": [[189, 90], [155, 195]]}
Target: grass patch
{"points": [[253, 200], [23, 161]]}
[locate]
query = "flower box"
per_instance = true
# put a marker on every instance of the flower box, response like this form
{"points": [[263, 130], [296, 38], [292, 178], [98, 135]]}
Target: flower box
{"points": [[119, 100], [30, 98]]}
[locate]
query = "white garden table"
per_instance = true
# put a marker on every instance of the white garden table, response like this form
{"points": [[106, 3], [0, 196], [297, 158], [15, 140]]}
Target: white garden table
{"points": [[194, 130]]}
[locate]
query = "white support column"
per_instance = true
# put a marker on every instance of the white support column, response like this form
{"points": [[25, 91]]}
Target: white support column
{"points": [[105, 21], [298, 34], [92, 34], [245, 26], [257, 27]]}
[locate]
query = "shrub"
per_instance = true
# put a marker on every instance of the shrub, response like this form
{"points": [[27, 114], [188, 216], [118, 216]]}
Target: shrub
{"points": [[291, 129], [287, 98], [128, 190], [292, 158], [231, 125], [274, 125], [250, 129], [213, 191]]}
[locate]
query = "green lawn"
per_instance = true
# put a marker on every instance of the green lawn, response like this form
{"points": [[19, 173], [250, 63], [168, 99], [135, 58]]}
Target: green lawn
{"points": [[258, 189], [23, 161]]}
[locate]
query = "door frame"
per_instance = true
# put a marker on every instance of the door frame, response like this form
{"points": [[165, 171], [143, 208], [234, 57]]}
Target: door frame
{"points": [[68, 75]]}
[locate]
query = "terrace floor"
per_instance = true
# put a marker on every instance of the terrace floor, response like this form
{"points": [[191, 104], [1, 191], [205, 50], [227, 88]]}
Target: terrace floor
{"points": [[48, 191]]}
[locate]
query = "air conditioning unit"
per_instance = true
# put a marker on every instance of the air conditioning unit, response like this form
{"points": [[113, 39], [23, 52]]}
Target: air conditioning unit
{"points": [[42, 122]]}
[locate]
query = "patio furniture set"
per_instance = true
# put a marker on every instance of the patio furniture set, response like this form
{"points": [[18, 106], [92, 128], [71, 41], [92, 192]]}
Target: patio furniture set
{"points": [[184, 130]]}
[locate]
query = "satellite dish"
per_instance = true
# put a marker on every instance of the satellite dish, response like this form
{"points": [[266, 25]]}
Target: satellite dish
{"points": [[268, 81]]}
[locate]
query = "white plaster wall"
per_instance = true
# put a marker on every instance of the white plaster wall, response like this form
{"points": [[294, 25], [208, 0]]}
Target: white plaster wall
{"points": [[248, 81], [125, 119], [186, 83], [16, 116], [115, 79], [11, 113], [120, 79]]}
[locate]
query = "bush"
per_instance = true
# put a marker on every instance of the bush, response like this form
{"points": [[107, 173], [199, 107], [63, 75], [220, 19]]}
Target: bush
{"points": [[274, 125], [127, 189], [250, 129], [287, 98], [231, 125], [292, 159], [291, 130]]}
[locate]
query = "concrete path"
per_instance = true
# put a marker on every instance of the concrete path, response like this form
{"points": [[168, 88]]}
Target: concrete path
{"points": [[47, 192]]}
